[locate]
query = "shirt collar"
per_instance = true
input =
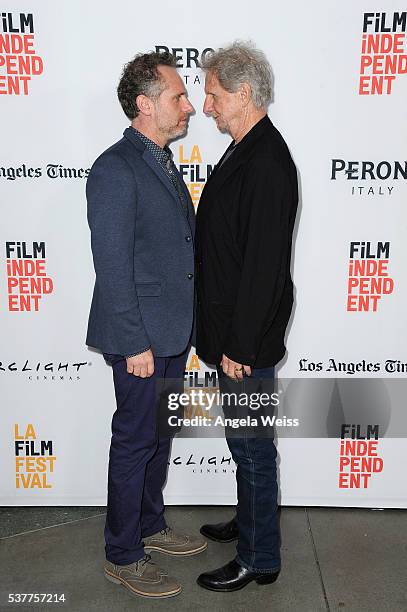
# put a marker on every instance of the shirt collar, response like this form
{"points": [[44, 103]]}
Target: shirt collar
{"points": [[162, 155]]}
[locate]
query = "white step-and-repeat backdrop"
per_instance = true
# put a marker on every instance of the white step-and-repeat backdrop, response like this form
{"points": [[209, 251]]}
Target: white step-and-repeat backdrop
{"points": [[340, 101]]}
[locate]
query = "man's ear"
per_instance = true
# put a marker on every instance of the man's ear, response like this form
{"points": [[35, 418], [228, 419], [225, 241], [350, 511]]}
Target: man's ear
{"points": [[245, 92], [144, 104]]}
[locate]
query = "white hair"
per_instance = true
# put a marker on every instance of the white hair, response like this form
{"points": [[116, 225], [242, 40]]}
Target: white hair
{"points": [[240, 63]]}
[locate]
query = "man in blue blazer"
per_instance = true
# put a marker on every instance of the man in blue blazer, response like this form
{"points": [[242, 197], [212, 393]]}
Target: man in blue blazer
{"points": [[142, 233]]}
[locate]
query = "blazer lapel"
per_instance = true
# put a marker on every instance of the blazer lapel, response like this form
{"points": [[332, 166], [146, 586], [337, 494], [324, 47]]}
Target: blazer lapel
{"points": [[216, 167], [160, 172], [164, 178], [186, 193], [151, 162]]}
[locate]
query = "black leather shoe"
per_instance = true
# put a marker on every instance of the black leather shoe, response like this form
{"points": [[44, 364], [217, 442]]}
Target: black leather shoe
{"points": [[232, 577], [221, 532]]}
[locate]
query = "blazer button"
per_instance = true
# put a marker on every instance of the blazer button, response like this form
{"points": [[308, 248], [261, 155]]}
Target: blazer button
{"points": [[190, 276], [188, 238]]}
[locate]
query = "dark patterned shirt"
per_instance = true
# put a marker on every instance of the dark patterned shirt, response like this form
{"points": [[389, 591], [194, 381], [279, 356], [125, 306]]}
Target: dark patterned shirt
{"points": [[164, 158]]}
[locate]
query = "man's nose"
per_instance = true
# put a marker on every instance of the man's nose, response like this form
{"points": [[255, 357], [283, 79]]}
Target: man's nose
{"points": [[208, 106], [188, 107]]}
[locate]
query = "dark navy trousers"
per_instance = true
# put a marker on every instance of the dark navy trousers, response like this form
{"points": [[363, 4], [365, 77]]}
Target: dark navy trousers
{"points": [[138, 458]]}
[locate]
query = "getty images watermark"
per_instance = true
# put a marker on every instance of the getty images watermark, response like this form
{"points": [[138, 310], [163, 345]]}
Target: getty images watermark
{"points": [[241, 410], [316, 407]]}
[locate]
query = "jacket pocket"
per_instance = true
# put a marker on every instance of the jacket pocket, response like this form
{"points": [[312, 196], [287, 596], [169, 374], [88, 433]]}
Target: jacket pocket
{"points": [[148, 289]]}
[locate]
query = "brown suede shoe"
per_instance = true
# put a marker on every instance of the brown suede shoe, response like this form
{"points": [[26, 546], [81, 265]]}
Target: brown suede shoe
{"points": [[143, 578], [171, 543]]}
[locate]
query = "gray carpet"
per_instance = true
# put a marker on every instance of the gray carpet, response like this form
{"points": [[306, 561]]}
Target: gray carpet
{"points": [[333, 559]]}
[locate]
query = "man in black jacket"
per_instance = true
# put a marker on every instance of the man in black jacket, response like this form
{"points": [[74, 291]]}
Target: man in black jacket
{"points": [[244, 290]]}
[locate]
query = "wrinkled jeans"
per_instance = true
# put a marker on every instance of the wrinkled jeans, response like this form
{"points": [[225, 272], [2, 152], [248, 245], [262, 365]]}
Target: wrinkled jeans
{"points": [[258, 547]]}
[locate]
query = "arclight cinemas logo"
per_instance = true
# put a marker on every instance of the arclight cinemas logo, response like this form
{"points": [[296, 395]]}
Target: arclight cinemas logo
{"points": [[203, 464], [383, 55]]}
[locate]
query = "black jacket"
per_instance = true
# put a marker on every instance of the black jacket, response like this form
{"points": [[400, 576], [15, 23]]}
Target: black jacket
{"points": [[244, 232]]}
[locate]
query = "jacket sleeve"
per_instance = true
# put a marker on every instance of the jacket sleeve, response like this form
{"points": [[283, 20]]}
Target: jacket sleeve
{"points": [[265, 243], [112, 204]]}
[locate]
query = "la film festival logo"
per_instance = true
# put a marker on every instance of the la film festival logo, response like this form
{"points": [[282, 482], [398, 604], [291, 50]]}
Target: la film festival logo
{"points": [[193, 170], [201, 465], [383, 55], [358, 456], [19, 62], [368, 276], [35, 459], [193, 377], [207, 382], [27, 280]]}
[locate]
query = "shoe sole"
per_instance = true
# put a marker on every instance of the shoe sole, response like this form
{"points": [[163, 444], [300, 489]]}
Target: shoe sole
{"points": [[177, 553], [261, 580], [117, 580], [217, 539]]}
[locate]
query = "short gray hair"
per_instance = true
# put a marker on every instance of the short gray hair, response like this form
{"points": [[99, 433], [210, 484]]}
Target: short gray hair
{"points": [[240, 63]]}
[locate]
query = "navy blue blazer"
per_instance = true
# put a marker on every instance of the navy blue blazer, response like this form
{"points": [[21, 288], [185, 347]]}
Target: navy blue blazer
{"points": [[143, 253]]}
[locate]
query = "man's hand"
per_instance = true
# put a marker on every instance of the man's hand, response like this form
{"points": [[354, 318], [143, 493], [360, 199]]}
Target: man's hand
{"points": [[141, 365], [233, 369]]}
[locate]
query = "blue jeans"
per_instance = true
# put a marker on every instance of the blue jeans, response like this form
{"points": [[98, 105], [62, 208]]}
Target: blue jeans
{"points": [[258, 547]]}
